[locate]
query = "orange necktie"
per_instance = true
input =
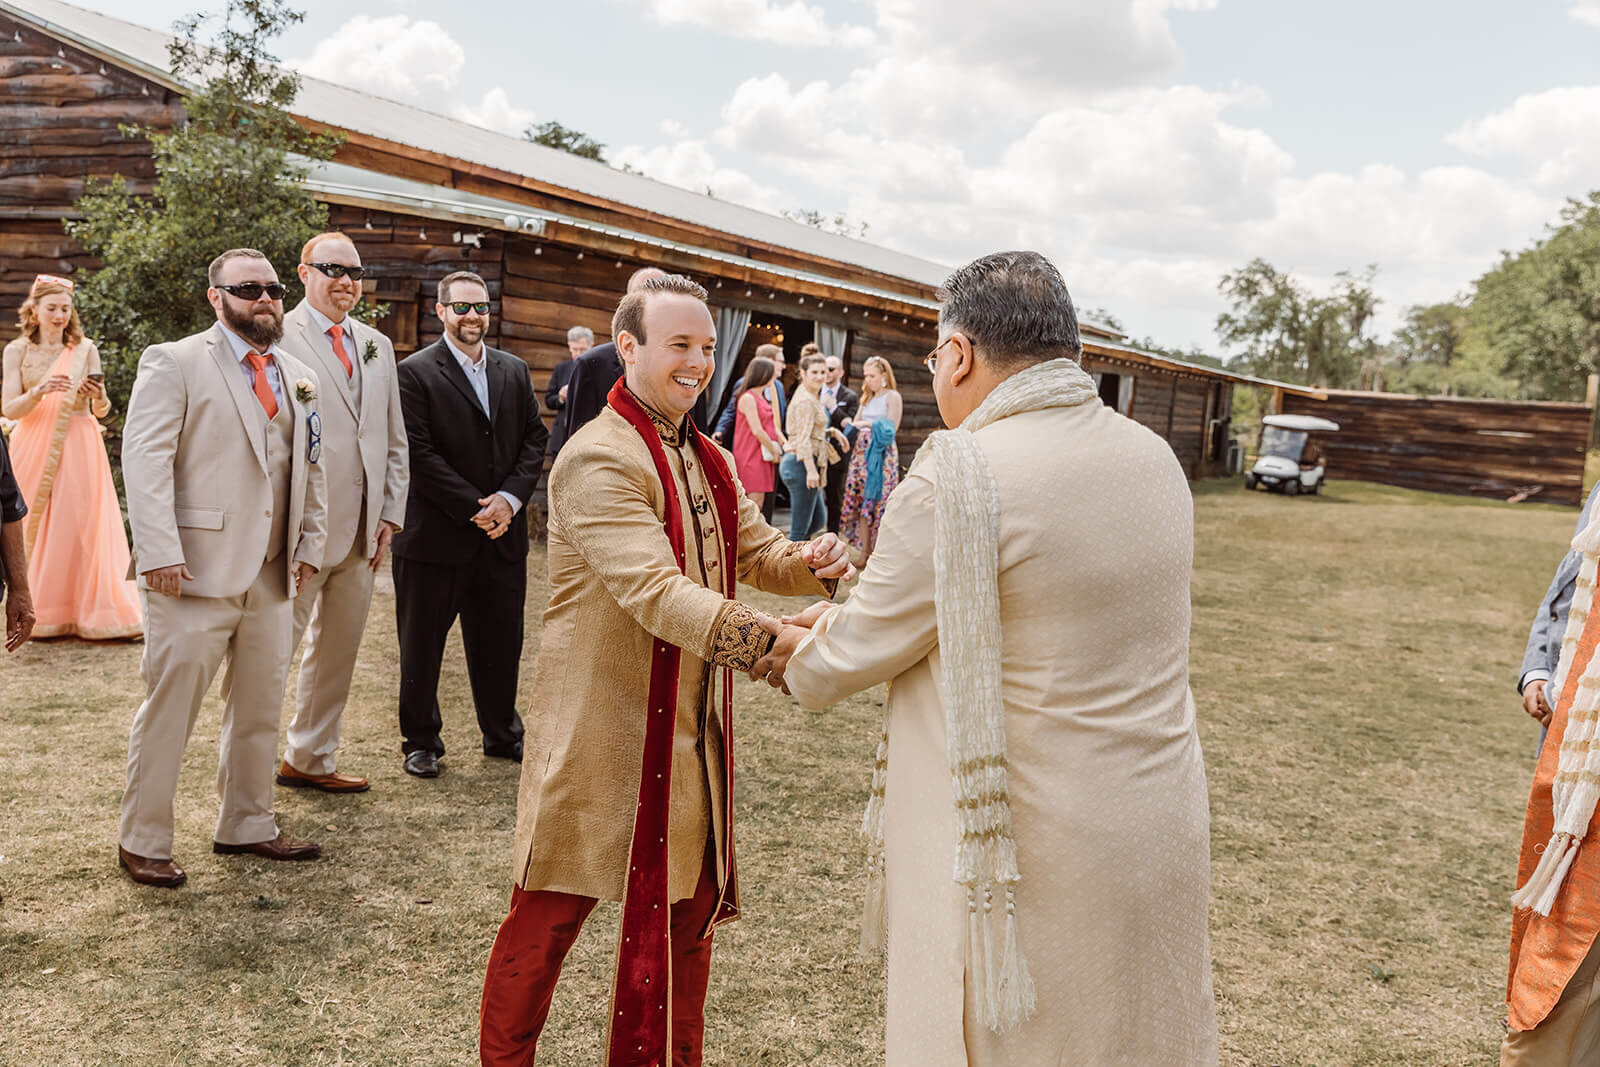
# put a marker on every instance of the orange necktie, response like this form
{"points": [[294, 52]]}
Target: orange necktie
{"points": [[269, 403], [337, 333]]}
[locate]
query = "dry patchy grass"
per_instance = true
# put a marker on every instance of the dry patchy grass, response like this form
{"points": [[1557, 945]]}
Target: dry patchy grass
{"points": [[1353, 664]]}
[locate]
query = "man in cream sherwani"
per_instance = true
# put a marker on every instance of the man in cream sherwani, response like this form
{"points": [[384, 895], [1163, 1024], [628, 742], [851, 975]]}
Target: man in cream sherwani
{"points": [[1029, 604], [365, 459], [228, 508]]}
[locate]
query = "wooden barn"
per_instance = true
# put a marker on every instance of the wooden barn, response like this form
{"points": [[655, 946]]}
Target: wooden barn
{"points": [[555, 235], [1502, 449]]}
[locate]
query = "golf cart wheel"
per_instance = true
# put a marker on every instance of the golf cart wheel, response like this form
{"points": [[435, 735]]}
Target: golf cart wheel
{"points": [[1292, 487], [1249, 481]]}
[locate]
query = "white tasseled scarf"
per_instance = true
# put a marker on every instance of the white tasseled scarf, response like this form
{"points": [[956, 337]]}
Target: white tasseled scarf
{"points": [[966, 562], [1577, 782]]}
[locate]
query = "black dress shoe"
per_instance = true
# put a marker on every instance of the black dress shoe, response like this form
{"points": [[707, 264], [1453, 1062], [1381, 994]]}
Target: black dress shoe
{"points": [[422, 763], [512, 753]]}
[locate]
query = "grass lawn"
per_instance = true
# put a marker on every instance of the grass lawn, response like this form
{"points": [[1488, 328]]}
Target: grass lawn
{"points": [[1354, 658]]}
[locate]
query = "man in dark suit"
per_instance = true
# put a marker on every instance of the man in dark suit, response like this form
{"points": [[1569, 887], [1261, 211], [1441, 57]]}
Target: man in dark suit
{"points": [[579, 340], [842, 403], [13, 561], [595, 372], [477, 448]]}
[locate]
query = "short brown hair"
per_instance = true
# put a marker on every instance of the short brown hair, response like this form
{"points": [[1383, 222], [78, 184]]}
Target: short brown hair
{"points": [[214, 272], [772, 352], [458, 276], [28, 314], [630, 312], [305, 250]]}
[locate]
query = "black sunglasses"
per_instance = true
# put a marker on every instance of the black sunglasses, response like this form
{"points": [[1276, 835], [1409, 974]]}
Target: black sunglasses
{"points": [[461, 307], [253, 290], [339, 270]]}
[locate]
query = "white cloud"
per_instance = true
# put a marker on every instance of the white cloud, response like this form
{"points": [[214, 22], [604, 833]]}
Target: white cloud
{"points": [[1586, 11], [1554, 130], [688, 164], [790, 23], [495, 112], [388, 55]]}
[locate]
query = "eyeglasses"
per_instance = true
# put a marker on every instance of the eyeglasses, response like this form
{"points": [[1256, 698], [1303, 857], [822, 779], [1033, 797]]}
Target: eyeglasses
{"points": [[339, 270], [253, 290], [931, 360], [461, 307]]}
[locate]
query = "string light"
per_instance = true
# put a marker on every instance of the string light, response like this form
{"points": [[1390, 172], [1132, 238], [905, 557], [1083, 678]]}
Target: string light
{"points": [[580, 255]]}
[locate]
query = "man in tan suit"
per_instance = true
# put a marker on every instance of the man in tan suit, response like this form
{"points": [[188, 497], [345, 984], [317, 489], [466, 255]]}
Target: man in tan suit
{"points": [[627, 788], [364, 457], [228, 507]]}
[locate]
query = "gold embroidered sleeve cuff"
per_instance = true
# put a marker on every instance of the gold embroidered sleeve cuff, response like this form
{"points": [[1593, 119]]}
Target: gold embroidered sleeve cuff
{"points": [[737, 638]]}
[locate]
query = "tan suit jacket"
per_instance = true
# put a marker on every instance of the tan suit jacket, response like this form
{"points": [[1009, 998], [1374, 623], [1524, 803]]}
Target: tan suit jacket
{"points": [[614, 590], [364, 451], [194, 459]]}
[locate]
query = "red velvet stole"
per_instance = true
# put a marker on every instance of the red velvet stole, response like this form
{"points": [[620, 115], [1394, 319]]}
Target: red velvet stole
{"points": [[640, 1026]]}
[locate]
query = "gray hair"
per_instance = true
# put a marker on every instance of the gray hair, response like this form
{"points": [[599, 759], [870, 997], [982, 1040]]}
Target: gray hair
{"points": [[580, 331], [1014, 307]]}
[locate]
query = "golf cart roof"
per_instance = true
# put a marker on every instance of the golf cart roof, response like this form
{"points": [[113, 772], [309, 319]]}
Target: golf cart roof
{"points": [[1299, 422]]}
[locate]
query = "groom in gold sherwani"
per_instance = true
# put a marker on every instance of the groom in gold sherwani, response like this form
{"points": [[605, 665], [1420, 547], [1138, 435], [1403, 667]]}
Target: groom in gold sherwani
{"points": [[1029, 602], [627, 781]]}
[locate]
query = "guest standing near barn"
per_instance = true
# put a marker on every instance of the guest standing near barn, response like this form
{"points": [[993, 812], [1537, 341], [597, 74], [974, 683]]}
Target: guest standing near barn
{"points": [[1030, 609], [76, 548], [874, 459], [757, 441]]}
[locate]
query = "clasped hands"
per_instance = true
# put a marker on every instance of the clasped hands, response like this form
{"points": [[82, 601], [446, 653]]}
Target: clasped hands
{"points": [[827, 557], [495, 517]]}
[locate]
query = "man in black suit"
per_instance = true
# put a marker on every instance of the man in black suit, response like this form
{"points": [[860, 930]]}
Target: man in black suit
{"points": [[595, 372], [477, 448], [842, 403], [579, 340]]}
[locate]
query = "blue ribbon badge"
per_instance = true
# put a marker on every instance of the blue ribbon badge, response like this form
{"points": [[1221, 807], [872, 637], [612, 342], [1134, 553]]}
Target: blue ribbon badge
{"points": [[314, 445]]}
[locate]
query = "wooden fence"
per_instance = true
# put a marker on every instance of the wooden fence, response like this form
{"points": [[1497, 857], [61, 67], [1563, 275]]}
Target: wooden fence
{"points": [[1488, 448]]}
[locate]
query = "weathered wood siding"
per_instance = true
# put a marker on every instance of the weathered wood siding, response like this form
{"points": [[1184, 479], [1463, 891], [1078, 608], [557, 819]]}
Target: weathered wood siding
{"points": [[1486, 448]]}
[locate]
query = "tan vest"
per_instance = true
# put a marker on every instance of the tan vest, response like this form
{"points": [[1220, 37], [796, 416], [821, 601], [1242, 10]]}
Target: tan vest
{"points": [[280, 462]]}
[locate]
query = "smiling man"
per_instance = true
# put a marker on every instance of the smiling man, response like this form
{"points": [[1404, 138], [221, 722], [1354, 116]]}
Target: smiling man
{"points": [[627, 790], [477, 446], [365, 460]]}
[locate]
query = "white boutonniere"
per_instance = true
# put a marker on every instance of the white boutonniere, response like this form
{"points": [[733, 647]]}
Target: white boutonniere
{"points": [[305, 391], [369, 353]]}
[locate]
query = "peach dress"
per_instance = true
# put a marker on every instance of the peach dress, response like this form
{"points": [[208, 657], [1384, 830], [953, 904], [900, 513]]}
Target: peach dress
{"points": [[77, 548]]}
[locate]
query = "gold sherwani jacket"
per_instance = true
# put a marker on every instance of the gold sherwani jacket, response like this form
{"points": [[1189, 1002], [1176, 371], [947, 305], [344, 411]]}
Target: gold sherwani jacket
{"points": [[614, 588]]}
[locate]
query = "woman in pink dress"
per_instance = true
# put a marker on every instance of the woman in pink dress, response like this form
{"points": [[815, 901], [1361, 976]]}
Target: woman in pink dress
{"points": [[77, 550], [757, 441]]}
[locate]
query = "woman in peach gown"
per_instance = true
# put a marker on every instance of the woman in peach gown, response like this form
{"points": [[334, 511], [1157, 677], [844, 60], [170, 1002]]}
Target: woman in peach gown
{"points": [[77, 549]]}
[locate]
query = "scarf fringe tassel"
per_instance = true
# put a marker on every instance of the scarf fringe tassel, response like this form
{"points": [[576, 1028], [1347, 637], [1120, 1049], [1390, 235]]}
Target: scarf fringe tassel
{"points": [[1539, 893]]}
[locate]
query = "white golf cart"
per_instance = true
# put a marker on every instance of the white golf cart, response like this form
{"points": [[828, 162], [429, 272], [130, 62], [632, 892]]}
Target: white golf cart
{"points": [[1290, 460]]}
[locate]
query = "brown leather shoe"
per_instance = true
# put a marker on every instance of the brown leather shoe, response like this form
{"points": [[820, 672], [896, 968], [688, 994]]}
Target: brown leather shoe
{"points": [[328, 783], [279, 848], [146, 871]]}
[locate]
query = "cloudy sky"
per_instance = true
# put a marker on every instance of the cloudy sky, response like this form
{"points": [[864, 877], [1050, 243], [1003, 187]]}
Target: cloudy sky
{"points": [[1146, 145]]}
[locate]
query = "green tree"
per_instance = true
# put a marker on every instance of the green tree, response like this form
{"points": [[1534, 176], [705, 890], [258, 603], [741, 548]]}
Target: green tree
{"points": [[1538, 310], [233, 175], [1283, 330], [554, 135]]}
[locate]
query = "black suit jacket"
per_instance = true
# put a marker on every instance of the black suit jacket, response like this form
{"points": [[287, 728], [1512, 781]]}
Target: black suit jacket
{"points": [[593, 375], [459, 455], [561, 375]]}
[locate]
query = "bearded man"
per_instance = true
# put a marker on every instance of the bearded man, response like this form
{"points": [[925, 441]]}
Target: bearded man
{"points": [[1028, 602], [627, 792], [228, 506]]}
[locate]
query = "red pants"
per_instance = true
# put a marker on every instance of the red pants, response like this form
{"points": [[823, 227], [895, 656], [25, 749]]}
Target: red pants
{"points": [[527, 958]]}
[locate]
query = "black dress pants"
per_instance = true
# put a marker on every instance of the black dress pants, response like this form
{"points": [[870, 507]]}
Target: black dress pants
{"points": [[833, 493], [488, 596]]}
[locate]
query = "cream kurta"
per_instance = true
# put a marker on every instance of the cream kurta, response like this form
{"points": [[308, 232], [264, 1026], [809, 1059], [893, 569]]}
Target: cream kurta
{"points": [[1107, 788], [614, 590]]}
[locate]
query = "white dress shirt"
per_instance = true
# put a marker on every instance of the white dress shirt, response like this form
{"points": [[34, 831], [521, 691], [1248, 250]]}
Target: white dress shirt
{"points": [[477, 372], [242, 349], [324, 324]]}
